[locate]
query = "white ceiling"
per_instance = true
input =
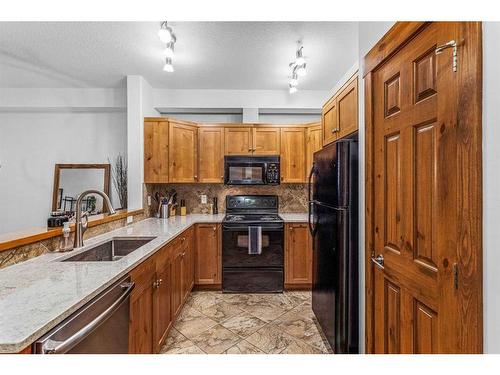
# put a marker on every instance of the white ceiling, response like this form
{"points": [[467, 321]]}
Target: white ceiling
{"points": [[209, 55]]}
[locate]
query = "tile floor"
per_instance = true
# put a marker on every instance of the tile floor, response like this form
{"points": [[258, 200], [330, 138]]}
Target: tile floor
{"points": [[216, 323]]}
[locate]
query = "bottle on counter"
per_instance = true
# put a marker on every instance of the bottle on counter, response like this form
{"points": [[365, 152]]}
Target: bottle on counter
{"points": [[66, 243], [183, 207], [215, 208]]}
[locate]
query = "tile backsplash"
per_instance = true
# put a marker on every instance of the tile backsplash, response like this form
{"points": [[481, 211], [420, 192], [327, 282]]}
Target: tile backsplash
{"points": [[292, 197]]}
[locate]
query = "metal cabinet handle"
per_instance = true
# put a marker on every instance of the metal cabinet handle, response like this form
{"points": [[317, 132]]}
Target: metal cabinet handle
{"points": [[378, 261]]}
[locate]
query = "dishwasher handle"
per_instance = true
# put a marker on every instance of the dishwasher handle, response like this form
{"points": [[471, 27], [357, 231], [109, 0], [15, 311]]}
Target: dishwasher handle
{"points": [[57, 347]]}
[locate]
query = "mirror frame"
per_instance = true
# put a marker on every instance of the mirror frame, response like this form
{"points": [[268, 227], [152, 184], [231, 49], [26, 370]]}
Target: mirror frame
{"points": [[57, 174]]}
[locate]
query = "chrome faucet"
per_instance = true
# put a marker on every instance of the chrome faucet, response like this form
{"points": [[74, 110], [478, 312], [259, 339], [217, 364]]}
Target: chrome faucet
{"points": [[80, 227]]}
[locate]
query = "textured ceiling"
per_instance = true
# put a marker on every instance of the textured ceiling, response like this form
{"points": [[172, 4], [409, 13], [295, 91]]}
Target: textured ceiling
{"points": [[209, 55]]}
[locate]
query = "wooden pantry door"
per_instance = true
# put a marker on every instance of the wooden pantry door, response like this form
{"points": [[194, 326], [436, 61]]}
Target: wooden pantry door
{"points": [[424, 278]]}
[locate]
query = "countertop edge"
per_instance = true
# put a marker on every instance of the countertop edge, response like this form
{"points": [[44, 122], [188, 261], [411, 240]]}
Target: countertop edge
{"points": [[12, 348]]}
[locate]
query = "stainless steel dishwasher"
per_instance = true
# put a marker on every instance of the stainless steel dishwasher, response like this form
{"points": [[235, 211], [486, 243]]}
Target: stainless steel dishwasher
{"points": [[99, 327]]}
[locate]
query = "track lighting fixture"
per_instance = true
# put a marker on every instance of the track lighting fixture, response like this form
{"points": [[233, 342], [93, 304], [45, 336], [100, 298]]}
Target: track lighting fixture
{"points": [[298, 69], [165, 32], [299, 59], [168, 37], [169, 50], [168, 67], [301, 70]]}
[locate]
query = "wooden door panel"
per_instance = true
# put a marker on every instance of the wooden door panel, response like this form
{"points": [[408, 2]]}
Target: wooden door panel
{"points": [[329, 120], [266, 141], [425, 329], [314, 142], [425, 177], [183, 153], [415, 213], [347, 103], [211, 155], [155, 152], [292, 155], [238, 141]]}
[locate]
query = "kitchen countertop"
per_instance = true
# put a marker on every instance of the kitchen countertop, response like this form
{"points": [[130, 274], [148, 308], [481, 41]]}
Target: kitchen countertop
{"points": [[38, 294]]}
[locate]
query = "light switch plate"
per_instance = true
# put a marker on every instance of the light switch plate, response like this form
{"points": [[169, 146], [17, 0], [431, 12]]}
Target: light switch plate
{"points": [[130, 219], [203, 199], [149, 200]]}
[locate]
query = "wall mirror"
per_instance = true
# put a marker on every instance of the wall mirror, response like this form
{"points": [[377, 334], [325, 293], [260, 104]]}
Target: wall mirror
{"points": [[70, 180]]}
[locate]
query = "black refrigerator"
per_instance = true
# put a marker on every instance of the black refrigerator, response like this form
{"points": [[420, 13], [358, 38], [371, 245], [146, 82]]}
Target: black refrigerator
{"points": [[333, 222]]}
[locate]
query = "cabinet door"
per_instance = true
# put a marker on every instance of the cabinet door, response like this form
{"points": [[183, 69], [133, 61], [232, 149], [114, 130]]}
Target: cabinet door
{"points": [[208, 254], [347, 104], [238, 141], [298, 257], [266, 141], [187, 265], [176, 281], [183, 158], [141, 308], [314, 143], [329, 121], [292, 155], [155, 151], [162, 311], [211, 155]]}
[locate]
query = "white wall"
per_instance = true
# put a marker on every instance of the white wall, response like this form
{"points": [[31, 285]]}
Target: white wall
{"points": [[31, 143], [491, 186], [165, 98]]}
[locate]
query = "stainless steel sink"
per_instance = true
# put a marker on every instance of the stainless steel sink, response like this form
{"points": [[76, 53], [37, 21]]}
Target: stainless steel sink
{"points": [[114, 249]]}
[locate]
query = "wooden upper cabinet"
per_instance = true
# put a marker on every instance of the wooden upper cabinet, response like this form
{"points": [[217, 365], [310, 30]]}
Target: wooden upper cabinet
{"points": [[293, 155], [208, 254], [238, 140], [183, 152], [298, 255], [155, 151], [314, 142], [211, 154], [340, 114], [266, 140], [329, 121], [347, 107]]}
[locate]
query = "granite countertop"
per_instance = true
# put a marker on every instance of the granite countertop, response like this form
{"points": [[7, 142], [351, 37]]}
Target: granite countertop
{"points": [[38, 294]]}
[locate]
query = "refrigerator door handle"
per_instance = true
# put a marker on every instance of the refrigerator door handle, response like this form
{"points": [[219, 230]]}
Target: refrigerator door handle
{"points": [[309, 191], [310, 219]]}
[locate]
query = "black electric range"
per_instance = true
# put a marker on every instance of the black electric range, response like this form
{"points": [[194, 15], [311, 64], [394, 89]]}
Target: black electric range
{"points": [[252, 245]]}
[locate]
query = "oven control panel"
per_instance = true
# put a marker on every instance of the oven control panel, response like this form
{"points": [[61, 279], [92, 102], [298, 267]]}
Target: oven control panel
{"points": [[251, 202], [273, 173]]}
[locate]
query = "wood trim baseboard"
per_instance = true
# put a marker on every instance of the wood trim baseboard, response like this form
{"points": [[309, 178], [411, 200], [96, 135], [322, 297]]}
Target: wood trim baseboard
{"points": [[12, 240]]}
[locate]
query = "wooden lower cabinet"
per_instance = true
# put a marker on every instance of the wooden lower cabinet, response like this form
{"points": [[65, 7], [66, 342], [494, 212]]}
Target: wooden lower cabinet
{"points": [[162, 312], [208, 268], [162, 284], [187, 264], [141, 308], [298, 256]]}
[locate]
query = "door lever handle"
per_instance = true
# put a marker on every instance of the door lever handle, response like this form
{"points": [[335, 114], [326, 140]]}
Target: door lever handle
{"points": [[378, 261]]}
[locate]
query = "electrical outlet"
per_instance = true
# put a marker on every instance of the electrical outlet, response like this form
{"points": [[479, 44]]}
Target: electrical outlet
{"points": [[130, 219], [203, 199], [149, 200]]}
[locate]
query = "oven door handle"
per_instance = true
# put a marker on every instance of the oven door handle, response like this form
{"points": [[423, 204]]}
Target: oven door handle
{"points": [[57, 347], [240, 228]]}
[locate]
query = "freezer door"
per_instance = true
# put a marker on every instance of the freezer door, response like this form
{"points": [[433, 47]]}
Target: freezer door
{"points": [[332, 277]]}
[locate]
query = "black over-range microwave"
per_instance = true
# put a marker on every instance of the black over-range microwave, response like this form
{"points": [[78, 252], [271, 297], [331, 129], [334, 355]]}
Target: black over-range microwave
{"points": [[251, 170]]}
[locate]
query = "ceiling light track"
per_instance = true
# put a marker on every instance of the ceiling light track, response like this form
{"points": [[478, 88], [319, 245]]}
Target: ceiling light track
{"points": [[167, 36], [297, 69]]}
